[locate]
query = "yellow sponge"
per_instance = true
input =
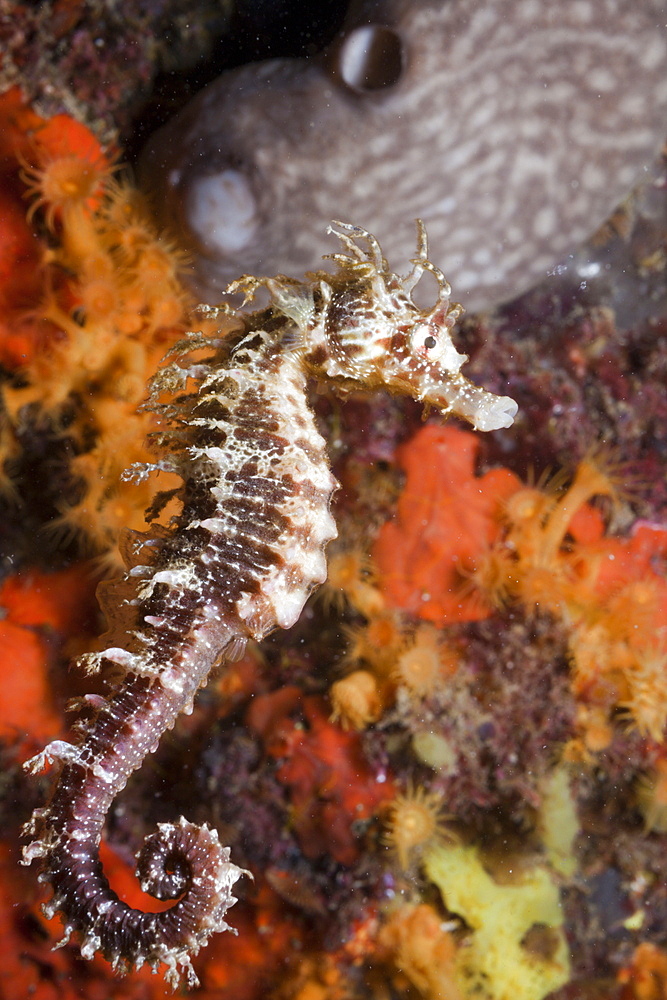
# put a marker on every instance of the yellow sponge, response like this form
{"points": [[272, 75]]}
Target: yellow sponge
{"points": [[517, 950]]}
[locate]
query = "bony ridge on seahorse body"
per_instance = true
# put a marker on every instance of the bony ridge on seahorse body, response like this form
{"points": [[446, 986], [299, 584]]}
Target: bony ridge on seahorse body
{"points": [[240, 559]]}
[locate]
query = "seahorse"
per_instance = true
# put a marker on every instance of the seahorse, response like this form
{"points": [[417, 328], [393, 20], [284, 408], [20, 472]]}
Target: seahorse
{"points": [[239, 560]]}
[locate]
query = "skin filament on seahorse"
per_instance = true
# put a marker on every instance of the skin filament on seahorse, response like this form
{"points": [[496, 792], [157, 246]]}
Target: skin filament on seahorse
{"points": [[239, 560]]}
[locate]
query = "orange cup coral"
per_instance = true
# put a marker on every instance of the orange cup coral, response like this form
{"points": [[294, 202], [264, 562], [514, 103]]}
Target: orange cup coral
{"points": [[415, 821]]}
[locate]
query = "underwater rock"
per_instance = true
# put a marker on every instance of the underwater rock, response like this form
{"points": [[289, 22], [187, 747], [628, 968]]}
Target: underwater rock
{"points": [[96, 61], [512, 127]]}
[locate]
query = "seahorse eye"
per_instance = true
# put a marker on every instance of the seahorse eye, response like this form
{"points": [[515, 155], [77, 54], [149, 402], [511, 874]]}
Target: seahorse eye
{"points": [[434, 344], [422, 339]]}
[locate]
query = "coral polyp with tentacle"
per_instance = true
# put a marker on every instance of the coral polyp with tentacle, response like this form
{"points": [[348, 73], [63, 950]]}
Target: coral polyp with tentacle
{"points": [[238, 560], [425, 664], [357, 700], [416, 820], [351, 576], [61, 186]]}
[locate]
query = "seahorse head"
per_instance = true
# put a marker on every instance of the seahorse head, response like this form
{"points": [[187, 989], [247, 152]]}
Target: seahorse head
{"points": [[366, 329]]}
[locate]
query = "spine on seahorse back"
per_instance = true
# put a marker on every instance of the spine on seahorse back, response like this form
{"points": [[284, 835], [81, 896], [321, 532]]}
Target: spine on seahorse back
{"points": [[241, 558]]}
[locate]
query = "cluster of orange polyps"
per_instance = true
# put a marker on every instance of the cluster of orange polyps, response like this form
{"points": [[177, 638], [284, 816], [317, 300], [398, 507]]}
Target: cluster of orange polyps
{"points": [[462, 545]]}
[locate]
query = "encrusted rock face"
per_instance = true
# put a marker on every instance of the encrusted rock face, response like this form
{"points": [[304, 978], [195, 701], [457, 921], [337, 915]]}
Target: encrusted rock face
{"points": [[513, 127]]}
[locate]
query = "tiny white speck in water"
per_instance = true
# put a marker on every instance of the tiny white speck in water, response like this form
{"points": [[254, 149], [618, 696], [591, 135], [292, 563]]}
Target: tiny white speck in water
{"points": [[590, 269]]}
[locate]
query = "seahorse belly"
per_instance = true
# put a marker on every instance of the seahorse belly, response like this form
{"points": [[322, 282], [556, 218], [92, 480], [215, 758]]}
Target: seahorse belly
{"points": [[266, 512]]}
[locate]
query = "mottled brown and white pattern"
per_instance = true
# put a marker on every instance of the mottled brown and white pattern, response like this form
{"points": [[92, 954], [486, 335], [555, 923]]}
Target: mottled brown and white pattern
{"points": [[512, 127], [239, 560]]}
